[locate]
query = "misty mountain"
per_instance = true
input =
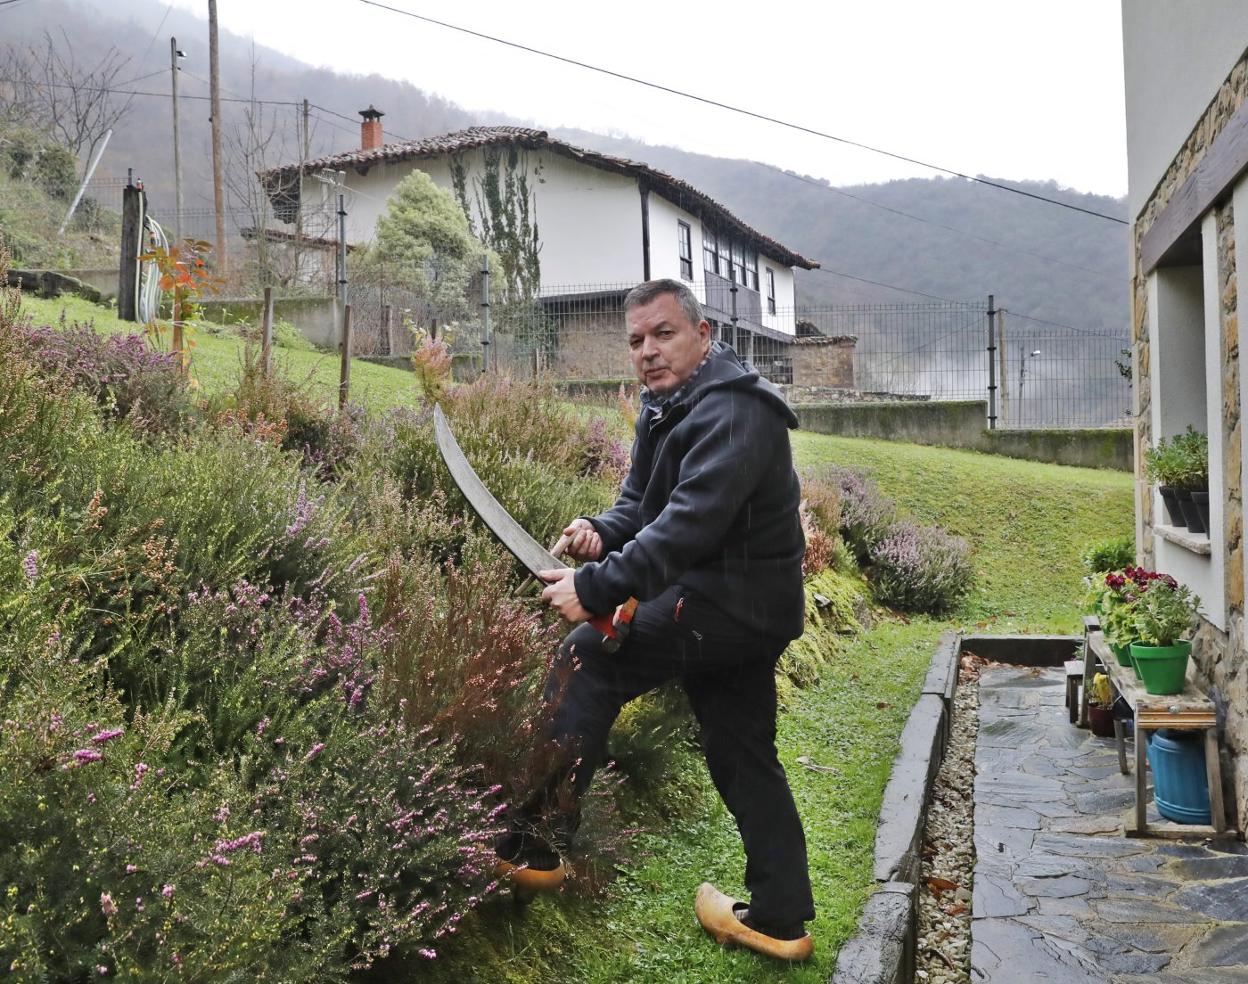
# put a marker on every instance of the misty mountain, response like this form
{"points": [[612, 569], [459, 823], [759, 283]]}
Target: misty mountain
{"points": [[942, 236]]}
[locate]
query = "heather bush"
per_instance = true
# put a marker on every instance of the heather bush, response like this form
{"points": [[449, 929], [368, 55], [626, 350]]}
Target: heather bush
{"points": [[920, 568], [323, 838], [468, 661], [541, 487], [865, 514], [125, 377]]}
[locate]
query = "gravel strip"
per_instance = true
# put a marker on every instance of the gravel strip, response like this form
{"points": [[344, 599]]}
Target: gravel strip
{"points": [[944, 940]]}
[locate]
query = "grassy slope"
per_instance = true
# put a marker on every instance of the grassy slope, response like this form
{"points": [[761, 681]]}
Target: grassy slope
{"points": [[1028, 523], [216, 358]]}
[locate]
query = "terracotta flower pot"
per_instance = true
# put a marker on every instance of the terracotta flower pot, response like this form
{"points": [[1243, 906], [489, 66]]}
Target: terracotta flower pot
{"points": [[1101, 720]]}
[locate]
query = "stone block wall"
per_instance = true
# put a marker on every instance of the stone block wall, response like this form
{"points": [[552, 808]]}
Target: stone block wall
{"points": [[1220, 657], [824, 362]]}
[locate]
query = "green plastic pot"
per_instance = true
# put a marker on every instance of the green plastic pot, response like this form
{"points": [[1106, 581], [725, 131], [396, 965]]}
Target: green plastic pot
{"points": [[1162, 668], [1122, 654]]}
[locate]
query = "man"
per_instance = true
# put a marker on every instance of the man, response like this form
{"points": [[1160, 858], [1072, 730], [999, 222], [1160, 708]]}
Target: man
{"points": [[706, 535]]}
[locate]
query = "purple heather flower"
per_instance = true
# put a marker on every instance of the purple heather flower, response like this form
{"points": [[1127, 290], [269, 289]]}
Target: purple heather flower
{"points": [[167, 891], [131, 869], [107, 905], [107, 735], [314, 751], [30, 565], [84, 755]]}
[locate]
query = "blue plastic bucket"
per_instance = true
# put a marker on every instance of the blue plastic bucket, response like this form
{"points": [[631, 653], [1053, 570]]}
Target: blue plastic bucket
{"points": [[1180, 786]]}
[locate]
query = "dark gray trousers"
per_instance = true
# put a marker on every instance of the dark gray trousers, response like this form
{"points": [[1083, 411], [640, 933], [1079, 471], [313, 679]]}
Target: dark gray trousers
{"points": [[729, 676]]}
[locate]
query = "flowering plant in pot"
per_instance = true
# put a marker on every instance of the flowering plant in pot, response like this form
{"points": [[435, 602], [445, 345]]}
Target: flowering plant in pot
{"points": [[1113, 596], [1101, 707], [1160, 618]]}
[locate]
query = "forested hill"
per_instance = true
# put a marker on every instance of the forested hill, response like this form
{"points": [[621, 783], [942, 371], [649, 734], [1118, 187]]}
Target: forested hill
{"points": [[1051, 262]]}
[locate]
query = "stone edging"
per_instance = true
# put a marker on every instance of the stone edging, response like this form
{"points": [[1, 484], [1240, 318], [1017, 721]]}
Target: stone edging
{"points": [[882, 949]]}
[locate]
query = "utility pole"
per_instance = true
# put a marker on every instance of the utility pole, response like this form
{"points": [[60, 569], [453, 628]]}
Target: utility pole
{"points": [[1001, 362], [174, 55], [304, 148], [214, 92]]}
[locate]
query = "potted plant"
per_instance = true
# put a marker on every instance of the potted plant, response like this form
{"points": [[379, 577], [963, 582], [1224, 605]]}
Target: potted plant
{"points": [[1160, 618], [1169, 464], [1111, 596], [1193, 453], [1101, 707]]}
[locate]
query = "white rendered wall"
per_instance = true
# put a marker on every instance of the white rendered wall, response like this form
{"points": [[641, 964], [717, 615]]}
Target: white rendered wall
{"points": [[784, 319], [664, 245], [1176, 53], [1187, 389], [573, 202]]}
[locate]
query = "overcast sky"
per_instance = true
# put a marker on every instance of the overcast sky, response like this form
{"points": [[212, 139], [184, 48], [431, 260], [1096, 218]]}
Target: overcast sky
{"points": [[1019, 89]]}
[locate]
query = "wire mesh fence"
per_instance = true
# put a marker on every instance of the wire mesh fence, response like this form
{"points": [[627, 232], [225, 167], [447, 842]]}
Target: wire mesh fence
{"points": [[1044, 374]]}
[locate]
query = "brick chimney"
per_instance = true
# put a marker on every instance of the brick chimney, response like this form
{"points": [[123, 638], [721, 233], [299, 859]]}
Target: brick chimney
{"points": [[370, 129]]}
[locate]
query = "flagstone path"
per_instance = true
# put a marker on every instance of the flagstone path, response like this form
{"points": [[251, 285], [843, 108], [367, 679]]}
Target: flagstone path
{"points": [[1059, 894]]}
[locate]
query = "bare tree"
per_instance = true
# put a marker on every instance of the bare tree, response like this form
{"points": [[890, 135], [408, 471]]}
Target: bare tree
{"points": [[48, 88], [252, 145]]}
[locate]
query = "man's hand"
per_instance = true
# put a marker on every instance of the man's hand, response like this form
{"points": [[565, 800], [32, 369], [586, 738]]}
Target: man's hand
{"points": [[560, 594], [584, 543]]}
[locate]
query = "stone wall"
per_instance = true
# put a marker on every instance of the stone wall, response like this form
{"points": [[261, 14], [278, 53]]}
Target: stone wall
{"points": [[823, 362], [1221, 662]]}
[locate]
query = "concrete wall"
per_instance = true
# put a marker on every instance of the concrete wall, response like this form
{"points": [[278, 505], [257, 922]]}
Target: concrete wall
{"points": [[960, 424], [1175, 56], [316, 317]]}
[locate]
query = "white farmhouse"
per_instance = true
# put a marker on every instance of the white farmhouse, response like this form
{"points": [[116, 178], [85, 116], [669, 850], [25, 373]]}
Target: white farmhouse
{"points": [[602, 223]]}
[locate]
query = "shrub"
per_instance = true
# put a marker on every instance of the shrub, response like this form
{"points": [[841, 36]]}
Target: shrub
{"points": [[304, 859], [119, 372], [468, 662], [865, 514], [921, 568], [1112, 554]]}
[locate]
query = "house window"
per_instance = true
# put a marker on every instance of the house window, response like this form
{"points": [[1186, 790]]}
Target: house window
{"points": [[710, 259], [725, 256], [738, 264], [751, 269], [684, 241], [771, 290]]}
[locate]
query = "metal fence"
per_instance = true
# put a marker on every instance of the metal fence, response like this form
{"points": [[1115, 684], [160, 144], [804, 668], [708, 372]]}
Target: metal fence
{"points": [[1045, 374]]}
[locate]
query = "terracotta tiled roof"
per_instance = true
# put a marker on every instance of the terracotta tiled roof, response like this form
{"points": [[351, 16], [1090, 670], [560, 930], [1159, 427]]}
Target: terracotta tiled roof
{"points": [[282, 182]]}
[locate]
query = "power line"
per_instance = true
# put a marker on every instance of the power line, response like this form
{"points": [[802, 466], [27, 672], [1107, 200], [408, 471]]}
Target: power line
{"points": [[737, 109], [939, 225]]}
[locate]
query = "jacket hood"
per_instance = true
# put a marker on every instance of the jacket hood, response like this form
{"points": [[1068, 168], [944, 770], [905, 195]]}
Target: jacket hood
{"points": [[727, 369]]}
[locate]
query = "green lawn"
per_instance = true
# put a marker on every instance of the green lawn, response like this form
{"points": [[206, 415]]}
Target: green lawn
{"points": [[1027, 522], [217, 357]]}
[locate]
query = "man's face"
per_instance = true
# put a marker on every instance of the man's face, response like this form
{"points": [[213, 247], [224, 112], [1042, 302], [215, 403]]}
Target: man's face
{"points": [[665, 346]]}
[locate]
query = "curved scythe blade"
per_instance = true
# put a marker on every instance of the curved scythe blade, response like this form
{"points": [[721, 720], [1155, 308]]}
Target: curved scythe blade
{"points": [[510, 533]]}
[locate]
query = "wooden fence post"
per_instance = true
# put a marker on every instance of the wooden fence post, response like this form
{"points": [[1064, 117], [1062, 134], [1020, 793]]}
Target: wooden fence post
{"points": [[344, 378], [266, 334]]}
